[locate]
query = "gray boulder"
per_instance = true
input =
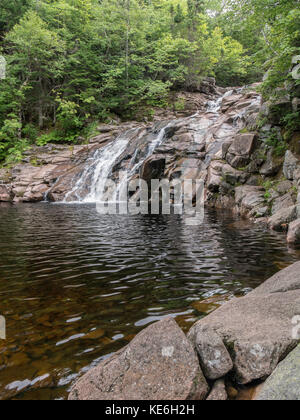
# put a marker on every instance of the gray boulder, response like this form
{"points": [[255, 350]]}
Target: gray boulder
{"points": [[153, 168], [272, 166], [257, 329], [250, 199], [283, 202], [218, 392], [159, 364], [213, 355], [241, 149], [5, 193], [284, 383], [293, 236], [281, 220], [290, 165]]}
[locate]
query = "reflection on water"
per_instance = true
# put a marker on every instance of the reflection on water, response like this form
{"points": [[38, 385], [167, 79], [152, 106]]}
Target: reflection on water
{"points": [[76, 286]]}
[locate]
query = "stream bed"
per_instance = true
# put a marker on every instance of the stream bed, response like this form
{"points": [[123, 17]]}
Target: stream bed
{"points": [[76, 286]]}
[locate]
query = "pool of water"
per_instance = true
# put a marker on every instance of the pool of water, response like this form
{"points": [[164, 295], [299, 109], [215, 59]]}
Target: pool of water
{"points": [[76, 286]]}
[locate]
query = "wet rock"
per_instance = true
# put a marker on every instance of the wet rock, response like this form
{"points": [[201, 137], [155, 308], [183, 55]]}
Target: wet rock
{"points": [[213, 355], [256, 329], [293, 236], [218, 393], [64, 185], [249, 198], [229, 101], [186, 138], [281, 220], [105, 128], [6, 194], [102, 138], [35, 194], [283, 202], [153, 168], [290, 165], [284, 383], [159, 364], [214, 180], [233, 176]]}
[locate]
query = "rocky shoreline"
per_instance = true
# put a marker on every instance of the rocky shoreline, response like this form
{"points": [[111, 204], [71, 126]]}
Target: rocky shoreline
{"points": [[236, 144], [249, 341], [234, 149]]}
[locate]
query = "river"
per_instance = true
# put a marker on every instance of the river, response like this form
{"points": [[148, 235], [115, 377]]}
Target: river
{"points": [[76, 286]]}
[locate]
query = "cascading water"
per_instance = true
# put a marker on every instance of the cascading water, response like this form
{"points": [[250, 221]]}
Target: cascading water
{"points": [[97, 171], [136, 162], [124, 157], [215, 106], [100, 166]]}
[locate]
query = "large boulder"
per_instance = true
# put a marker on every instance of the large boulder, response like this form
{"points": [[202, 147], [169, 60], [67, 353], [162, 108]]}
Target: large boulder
{"points": [[5, 193], [283, 202], [293, 236], [159, 364], [241, 149], [257, 329], [284, 383], [272, 165], [153, 168], [251, 200], [280, 221], [243, 144], [213, 355], [218, 392], [290, 165]]}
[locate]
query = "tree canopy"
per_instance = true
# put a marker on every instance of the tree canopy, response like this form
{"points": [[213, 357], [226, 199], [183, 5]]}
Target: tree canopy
{"points": [[73, 62]]}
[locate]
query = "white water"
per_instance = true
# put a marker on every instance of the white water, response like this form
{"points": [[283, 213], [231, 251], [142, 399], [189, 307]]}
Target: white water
{"points": [[215, 106], [135, 166], [91, 186], [97, 171], [99, 168]]}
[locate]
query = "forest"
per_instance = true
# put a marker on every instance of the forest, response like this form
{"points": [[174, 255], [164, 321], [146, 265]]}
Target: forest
{"points": [[73, 63]]}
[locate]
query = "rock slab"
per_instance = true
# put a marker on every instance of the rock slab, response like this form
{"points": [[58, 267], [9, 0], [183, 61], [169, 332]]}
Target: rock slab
{"points": [[293, 237], [257, 329], [218, 392], [159, 364], [284, 383]]}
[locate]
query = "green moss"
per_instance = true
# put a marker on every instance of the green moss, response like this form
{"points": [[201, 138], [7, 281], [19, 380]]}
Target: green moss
{"points": [[244, 131]]}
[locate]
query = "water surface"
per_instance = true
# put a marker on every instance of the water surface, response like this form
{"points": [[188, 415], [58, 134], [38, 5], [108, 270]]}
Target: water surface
{"points": [[76, 286]]}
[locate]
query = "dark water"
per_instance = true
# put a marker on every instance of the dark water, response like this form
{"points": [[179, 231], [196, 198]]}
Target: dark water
{"points": [[76, 286]]}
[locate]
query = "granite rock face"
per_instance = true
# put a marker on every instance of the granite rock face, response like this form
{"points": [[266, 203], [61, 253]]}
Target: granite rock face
{"points": [[280, 221], [293, 237], [284, 383], [159, 364], [291, 163], [213, 355], [218, 392], [257, 329]]}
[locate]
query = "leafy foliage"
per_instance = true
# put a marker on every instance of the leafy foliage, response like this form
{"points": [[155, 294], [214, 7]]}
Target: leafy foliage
{"points": [[73, 62]]}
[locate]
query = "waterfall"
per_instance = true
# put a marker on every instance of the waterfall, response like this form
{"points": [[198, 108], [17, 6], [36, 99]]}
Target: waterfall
{"points": [[123, 158], [91, 185], [136, 163]]}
